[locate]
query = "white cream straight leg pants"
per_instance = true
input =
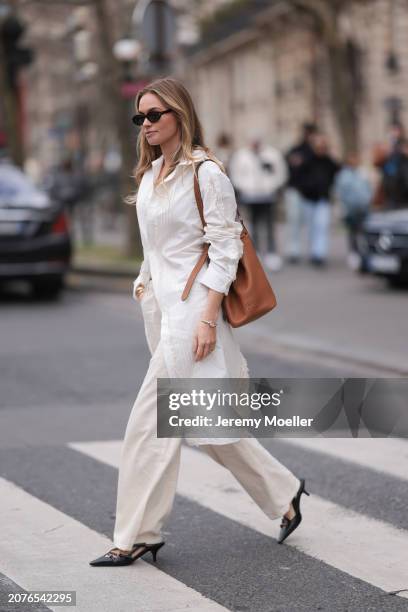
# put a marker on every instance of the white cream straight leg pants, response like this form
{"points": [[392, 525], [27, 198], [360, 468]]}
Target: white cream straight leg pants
{"points": [[149, 468]]}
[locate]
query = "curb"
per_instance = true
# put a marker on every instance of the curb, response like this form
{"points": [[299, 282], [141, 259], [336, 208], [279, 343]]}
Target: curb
{"points": [[104, 272], [319, 354], [326, 356]]}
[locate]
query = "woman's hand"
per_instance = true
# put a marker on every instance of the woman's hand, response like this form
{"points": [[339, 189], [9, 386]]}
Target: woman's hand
{"points": [[204, 341], [206, 336]]}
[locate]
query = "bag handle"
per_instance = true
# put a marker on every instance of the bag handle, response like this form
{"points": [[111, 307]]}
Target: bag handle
{"points": [[204, 254]]}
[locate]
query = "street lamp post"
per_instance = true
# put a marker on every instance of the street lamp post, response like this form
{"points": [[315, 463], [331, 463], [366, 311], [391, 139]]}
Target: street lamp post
{"points": [[155, 24], [126, 51]]}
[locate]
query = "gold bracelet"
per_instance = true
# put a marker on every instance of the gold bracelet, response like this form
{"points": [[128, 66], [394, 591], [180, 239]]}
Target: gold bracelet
{"points": [[210, 323]]}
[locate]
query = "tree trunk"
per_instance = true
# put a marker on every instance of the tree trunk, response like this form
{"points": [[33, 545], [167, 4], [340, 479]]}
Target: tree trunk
{"points": [[11, 113], [325, 15], [343, 97], [110, 69]]}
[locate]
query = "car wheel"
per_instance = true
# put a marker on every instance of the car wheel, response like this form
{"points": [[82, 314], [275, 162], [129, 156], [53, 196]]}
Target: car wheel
{"points": [[47, 288], [397, 281]]}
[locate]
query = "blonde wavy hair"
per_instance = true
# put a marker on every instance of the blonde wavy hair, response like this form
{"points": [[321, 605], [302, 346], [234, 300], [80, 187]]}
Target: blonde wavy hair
{"points": [[174, 95]]}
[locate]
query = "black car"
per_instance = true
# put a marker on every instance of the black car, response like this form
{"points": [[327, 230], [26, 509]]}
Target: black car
{"points": [[383, 245], [35, 243]]}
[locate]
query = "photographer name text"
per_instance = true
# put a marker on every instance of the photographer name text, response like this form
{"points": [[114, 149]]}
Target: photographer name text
{"points": [[255, 422]]}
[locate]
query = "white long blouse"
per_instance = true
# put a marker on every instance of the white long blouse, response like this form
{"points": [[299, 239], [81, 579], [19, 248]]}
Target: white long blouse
{"points": [[172, 238]]}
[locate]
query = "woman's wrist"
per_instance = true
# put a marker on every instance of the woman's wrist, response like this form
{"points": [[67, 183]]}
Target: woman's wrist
{"points": [[213, 305], [211, 315]]}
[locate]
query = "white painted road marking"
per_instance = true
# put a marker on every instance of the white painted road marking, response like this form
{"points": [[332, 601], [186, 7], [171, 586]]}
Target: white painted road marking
{"points": [[387, 455], [44, 549], [358, 545]]}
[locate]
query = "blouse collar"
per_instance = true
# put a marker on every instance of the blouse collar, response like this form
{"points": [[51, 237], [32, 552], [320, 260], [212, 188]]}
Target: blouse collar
{"points": [[198, 155]]}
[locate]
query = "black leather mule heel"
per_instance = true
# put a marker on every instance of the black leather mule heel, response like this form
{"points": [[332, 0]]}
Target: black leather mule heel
{"points": [[288, 526], [112, 559]]}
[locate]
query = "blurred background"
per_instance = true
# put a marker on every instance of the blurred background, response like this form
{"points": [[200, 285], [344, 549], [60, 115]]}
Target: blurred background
{"points": [[303, 101]]}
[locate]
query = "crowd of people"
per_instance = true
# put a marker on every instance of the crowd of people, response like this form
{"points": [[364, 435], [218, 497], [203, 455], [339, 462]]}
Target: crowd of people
{"points": [[308, 179]]}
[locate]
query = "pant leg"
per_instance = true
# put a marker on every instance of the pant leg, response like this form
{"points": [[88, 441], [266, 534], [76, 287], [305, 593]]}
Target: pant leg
{"points": [[321, 229], [318, 223], [148, 469], [309, 217], [262, 216], [268, 482], [270, 214], [294, 221], [254, 212], [354, 223]]}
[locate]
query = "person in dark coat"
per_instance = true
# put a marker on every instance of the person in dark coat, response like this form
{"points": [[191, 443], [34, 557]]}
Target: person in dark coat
{"points": [[296, 159], [391, 160], [318, 178]]}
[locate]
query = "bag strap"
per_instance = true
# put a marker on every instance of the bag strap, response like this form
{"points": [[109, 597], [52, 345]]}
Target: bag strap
{"points": [[204, 254], [197, 191], [199, 199], [195, 271]]}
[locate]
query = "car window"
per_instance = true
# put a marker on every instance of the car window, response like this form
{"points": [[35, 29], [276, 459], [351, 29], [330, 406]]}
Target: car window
{"points": [[16, 189]]}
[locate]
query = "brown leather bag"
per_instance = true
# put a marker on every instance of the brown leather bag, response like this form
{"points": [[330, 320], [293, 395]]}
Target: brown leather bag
{"points": [[250, 295]]}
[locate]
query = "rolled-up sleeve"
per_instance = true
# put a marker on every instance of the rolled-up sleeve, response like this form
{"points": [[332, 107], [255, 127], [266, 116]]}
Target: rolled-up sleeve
{"points": [[222, 231]]}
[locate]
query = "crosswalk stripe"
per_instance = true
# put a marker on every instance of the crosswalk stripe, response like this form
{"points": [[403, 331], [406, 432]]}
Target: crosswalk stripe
{"points": [[358, 545], [387, 455], [60, 548]]}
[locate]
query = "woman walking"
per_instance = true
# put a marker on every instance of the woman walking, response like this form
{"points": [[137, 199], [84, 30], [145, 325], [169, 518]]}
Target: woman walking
{"points": [[190, 338]]}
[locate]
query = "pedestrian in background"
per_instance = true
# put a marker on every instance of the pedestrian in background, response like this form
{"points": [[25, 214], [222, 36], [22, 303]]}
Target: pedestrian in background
{"points": [[296, 160], [258, 173], [223, 149], [64, 185], [391, 161], [68, 186], [319, 174], [402, 182], [355, 192]]}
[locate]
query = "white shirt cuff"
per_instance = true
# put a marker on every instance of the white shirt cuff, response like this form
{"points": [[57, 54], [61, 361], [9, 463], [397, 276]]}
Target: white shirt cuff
{"points": [[215, 279]]}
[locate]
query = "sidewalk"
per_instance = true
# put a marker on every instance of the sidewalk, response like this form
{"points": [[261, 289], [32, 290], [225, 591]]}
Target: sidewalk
{"points": [[337, 312], [103, 257], [332, 312]]}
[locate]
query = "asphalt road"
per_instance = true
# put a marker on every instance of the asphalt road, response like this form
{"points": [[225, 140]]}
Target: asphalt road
{"points": [[70, 372]]}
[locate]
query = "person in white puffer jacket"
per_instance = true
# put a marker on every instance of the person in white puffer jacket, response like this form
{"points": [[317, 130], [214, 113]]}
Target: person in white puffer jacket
{"points": [[258, 173]]}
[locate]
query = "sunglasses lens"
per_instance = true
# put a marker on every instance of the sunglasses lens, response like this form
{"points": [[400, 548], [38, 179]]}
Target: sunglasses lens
{"points": [[138, 119], [154, 116]]}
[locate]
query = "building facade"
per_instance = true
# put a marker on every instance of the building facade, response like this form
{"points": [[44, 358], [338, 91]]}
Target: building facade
{"points": [[269, 74]]}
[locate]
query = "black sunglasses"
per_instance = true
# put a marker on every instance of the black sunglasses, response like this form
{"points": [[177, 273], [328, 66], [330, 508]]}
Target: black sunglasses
{"points": [[153, 116]]}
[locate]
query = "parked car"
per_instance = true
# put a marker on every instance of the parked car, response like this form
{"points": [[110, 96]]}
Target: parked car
{"points": [[383, 245], [35, 243]]}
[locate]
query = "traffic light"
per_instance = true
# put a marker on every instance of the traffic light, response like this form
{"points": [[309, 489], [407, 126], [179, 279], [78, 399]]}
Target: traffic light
{"points": [[16, 57]]}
